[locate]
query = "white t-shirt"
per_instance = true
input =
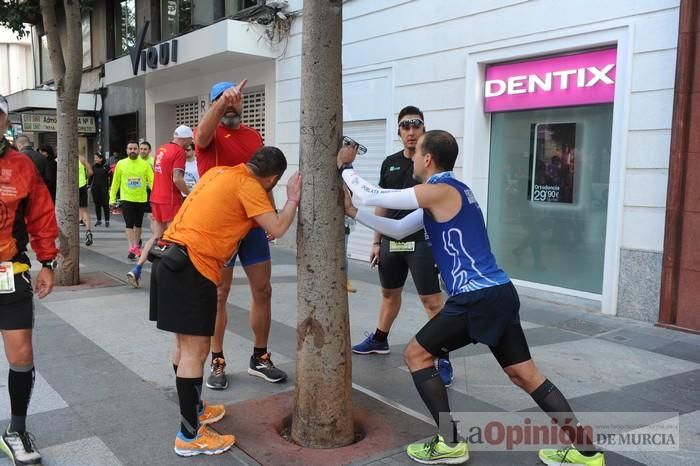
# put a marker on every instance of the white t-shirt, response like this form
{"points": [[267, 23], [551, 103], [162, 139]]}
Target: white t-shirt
{"points": [[191, 173]]}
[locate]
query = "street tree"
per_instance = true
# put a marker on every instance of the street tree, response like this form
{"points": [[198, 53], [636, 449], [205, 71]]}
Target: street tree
{"points": [[322, 416], [66, 57]]}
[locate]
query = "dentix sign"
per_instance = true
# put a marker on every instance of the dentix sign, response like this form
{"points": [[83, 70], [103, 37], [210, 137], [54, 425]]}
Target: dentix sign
{"points": [[153, 56], [577, 79]]}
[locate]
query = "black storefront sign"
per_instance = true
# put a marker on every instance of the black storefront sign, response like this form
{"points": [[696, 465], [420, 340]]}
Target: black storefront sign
{"points": [[163, 54]]}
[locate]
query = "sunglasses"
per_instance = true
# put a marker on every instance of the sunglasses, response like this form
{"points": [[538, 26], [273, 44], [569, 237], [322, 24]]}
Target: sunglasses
{"points": [[413, 123], [348, 141]]}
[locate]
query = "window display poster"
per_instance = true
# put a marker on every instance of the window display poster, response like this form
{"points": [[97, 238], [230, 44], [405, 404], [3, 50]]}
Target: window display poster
{"points": [[552, 162]]}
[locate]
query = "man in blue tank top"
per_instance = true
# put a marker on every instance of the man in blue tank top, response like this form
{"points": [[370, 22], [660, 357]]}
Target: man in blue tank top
{"points": [[483, 306]]}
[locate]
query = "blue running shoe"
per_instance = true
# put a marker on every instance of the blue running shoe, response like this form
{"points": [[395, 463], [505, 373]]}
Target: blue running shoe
{"points": [[444, 367], [370, 345], [133, 276]]}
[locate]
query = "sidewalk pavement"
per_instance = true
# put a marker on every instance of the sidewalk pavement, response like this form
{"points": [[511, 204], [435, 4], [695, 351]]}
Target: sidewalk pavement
{"points": [[104, 392]]}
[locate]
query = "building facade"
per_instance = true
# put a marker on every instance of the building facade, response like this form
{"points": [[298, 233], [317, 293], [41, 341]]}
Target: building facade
{"points": [[574, 189]]}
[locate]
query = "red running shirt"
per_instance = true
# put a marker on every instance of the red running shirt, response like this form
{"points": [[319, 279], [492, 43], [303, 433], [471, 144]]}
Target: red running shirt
{"points": [[26, 209], [229, 147], [169, 157]]}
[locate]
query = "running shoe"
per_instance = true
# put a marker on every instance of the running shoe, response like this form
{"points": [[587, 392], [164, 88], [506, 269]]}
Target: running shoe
{"points": [[570, 456], [263, 367], [370, 345], [81, 223], [207, 442], [217, 380], [436, 451], [98, 223], [444, 368], [132, 253], [107, 223], [211, 413], [133, 276], [88, 238], [19, 447]]}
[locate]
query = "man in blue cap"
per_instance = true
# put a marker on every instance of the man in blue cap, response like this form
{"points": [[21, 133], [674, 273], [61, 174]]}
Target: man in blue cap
{"points": [[221, 139]]}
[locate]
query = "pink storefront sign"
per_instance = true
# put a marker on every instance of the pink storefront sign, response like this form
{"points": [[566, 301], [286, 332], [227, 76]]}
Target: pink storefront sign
{"points": [[579, 79]]}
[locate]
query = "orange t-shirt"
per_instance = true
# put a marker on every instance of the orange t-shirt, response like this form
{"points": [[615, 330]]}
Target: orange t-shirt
{"points": [[216, 216]]}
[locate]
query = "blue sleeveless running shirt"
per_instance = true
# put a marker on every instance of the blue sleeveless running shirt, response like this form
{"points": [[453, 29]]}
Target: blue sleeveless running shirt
{"points": [[460, 246]]}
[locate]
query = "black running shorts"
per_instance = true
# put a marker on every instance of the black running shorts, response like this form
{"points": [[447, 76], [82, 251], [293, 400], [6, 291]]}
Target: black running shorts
{"points": [[17, 309], [133, 213], [394, 267], [490, 316], [83, 196], [183, 301]]}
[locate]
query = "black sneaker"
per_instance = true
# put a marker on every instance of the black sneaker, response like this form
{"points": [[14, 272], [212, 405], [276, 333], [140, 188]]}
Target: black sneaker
{"points": [[107, 223], [88, 238], [19, 447], [217, 380], [98, 223], [81, 223], [263, 367]]}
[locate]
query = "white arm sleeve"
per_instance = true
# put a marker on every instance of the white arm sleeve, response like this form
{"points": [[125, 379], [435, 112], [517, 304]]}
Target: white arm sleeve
{"points": [[368, 194], [398, 229]]}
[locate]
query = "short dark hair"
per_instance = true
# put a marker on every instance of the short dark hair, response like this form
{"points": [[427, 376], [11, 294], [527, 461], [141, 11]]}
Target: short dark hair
{"points": [[132, 142], [48, 149], [442, 146], [410, 110], [146, 143], [268, 161]]}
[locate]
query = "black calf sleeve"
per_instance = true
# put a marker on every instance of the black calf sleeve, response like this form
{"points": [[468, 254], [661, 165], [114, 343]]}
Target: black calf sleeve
{"points": [[188, 395], [433, 393], [552, 401], [20, 383]]}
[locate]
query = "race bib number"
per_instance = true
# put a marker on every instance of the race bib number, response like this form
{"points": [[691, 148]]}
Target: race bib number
{"points": [[7, 278], [134, 183], [400, 246]]}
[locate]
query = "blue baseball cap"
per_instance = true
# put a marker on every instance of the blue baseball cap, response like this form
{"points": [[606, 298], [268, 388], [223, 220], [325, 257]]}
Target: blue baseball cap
{"points": [[218, 89]]}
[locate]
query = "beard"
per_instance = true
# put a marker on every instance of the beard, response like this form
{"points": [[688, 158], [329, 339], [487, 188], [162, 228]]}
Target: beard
{"points": [[231, 122], [133, 156]]}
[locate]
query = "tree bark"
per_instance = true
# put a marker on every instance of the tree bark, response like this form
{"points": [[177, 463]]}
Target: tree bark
{"points": [[322, 415], [66, 59]]}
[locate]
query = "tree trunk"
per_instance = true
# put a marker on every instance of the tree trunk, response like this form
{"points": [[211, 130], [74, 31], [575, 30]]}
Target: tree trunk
{"points": [[323, 406], [66, 55]]}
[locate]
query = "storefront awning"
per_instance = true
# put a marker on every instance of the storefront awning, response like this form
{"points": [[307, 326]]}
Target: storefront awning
{"points": [[33, 99], [218, 47]]}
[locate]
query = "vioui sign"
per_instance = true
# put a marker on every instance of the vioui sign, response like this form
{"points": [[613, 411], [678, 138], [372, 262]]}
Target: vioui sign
{"points": [[578, 79], [164, 54]]}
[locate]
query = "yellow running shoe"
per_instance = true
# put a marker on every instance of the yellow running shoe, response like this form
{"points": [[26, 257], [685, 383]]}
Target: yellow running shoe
{"points": [[570, 457], [436, 451], [211, 413], [207, 442]]}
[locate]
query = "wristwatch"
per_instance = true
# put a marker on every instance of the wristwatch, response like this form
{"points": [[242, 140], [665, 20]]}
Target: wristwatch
{"points": [[48, 264]]}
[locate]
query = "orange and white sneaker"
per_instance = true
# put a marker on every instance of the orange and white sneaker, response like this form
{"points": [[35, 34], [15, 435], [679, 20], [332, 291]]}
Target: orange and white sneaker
{"points": [[207, 442], [211, 413]]}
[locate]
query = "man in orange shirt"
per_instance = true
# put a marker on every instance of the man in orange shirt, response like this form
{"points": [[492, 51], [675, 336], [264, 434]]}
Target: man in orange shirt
{"points": [[222, 140], [203, 236]]}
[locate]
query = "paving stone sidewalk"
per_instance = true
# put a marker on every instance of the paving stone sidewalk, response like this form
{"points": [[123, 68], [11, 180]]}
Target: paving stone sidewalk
{"points": [[104, 392]]}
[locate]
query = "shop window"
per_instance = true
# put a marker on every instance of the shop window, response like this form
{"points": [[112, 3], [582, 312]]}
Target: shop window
{"points": [[548, 191], [46, 69], [124, 26], [87, 41], [176, 17], [254, 111], [235, 6]]}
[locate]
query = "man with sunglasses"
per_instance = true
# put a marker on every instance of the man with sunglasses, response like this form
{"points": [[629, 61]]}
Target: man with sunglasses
{"points": [[395, 258], [221, 139]]}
